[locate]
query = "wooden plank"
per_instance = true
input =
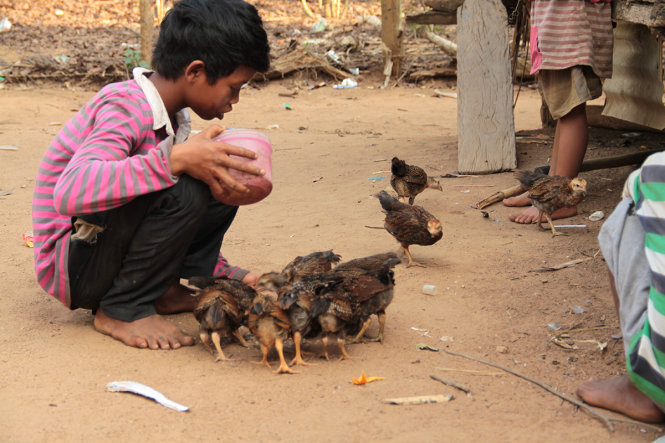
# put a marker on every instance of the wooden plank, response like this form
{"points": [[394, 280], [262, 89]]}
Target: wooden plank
{"points": [[485, 124], [644, 12], [147, 28], [432, 18], [392, 32]]}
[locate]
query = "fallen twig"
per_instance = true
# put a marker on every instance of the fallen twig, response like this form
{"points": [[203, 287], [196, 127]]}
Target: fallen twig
{"points": [[454, 384], [577, 403], [500, 195], [419, 400], [469, 371], [568, 264]]}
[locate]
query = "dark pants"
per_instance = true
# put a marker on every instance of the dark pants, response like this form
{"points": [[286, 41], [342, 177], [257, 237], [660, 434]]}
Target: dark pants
{"points": [[145, 246]]}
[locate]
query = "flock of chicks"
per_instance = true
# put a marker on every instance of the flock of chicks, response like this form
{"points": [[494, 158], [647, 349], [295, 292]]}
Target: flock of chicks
{"points": [[312, 296], [315, 295]]}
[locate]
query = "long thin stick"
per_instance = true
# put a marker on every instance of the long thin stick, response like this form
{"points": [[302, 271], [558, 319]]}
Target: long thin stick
{"points": [[542, 385], [454, 384]]}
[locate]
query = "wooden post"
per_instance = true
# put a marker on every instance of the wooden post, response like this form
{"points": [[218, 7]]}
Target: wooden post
{"points": [[485, 124], [635, 91], [392, 32], [147, 28]]}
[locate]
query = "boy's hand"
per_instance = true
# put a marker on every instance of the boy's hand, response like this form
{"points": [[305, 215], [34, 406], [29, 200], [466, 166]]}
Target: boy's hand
{"points": [[250, 279], [208, 160]]}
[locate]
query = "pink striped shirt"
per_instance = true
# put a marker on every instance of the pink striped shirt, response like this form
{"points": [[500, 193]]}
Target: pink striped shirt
{"points": [[567, 33], [104, 157]]}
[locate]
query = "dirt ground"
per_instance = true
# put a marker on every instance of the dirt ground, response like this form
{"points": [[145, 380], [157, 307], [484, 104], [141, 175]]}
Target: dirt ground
{"points": [[332, 154]]}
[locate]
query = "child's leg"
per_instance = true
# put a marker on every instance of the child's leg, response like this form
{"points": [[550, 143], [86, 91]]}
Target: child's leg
{"points": [[135, 260], [622, 242], [570, 143], [566, 93]]}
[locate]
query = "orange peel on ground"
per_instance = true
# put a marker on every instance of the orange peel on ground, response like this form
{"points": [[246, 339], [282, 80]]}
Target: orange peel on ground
{"points": [[365, 379]]}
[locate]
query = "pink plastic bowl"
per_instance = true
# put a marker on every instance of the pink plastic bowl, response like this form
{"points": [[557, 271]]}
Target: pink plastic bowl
{"points": [[260, 186]]}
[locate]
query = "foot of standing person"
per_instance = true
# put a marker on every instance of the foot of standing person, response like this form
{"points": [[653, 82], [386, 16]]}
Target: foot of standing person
{"points": [[153, 332], [518, 200], [530, 215], [177, 299], [620, 395]]}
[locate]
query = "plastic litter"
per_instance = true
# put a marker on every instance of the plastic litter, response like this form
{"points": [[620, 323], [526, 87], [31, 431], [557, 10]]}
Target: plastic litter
{"points": [[429, 289], [319, 26], [146, 391], [346, 84], [598, 215], [5, 25], [334, 58]]}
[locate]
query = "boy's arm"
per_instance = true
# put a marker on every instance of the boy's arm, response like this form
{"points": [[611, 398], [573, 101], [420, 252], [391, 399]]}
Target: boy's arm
{"points": [[109, 169], [226, 270]]}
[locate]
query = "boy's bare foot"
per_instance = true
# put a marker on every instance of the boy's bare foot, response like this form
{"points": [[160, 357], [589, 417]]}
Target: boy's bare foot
{"points": [[153, 332], [620, 395], [518, 200], [177, 299], [530, 215]]}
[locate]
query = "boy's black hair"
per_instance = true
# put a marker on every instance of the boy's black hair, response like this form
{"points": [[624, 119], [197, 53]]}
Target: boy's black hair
{"points": [[224, 34]]}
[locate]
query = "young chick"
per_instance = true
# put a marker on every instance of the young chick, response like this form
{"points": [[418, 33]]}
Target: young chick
{"points": [[370, 280], [268, 322], [410, 180], [410, 225], [310, 264], [221, 310], [549, 193], [336, 312], [296, 300], [357, 290]]}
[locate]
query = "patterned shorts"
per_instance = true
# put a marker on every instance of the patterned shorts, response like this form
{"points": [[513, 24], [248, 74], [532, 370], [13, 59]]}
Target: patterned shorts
{"points": [[568, 88]]}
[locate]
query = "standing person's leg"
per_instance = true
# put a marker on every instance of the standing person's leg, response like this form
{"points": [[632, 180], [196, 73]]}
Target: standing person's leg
{"points": [[622, 243], [133, 261], [566, 93]]}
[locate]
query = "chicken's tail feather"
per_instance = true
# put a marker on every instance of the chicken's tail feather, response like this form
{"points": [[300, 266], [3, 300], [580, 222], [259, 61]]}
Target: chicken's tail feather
{"points": [[528, 178]]}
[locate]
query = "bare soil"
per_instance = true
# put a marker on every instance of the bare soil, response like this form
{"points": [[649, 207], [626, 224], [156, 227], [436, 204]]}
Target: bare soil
{"points": [[332, 154]]}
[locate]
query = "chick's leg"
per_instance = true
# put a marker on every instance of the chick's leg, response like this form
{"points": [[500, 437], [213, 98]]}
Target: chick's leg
{"points": [[217, 341], [241, 339], [205, 339], [340, 343], [298, 360], [324, 342], [362, 331], [264, 361], [382, 324], [540, 220], [554, 231], [283, 367], [408, 255]]}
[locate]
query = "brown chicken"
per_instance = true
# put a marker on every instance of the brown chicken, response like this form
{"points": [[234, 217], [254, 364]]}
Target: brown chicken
{"points": [[222, 309], [302, 266], [410, 225], [370, 280], [551, 192], [268, 322], [410, 180], [355, 291], [296, 300], [297, 303]]}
